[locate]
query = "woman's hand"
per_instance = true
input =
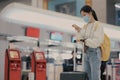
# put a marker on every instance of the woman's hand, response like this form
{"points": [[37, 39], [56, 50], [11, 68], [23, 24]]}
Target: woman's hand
{"points": [[76, 27]]}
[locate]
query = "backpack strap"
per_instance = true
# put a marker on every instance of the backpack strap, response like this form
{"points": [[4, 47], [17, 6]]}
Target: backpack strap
{"points": [[85, 26], [96, 25]]}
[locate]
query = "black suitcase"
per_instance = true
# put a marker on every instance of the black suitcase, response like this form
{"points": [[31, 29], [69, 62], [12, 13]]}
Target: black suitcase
{"points": [[73, 76]]}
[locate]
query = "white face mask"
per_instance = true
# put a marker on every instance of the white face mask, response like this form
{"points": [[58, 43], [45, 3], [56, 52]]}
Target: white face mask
{"points": [[86, 19]]}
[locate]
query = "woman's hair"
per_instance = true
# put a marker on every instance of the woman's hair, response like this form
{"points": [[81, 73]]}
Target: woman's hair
{"points": [[88, 9]]}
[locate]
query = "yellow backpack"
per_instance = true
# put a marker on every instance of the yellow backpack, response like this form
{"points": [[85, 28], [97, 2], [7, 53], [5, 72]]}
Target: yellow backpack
{"points": [[105, 46]]}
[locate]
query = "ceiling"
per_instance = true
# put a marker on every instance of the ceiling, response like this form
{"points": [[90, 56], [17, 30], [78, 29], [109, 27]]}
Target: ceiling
{"points": [[3, 0]]}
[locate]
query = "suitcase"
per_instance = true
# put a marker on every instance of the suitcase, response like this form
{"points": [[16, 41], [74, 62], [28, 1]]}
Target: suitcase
{"points": [[73, 76], [104, 77]]}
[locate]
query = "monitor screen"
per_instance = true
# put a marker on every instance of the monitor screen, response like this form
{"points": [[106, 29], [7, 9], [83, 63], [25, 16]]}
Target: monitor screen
{"points": [[73, 38], [14, 54], [39, 56], [57, 36]]}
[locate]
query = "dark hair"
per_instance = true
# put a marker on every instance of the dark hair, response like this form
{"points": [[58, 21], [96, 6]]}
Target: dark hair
{"points": [[88, 9]]}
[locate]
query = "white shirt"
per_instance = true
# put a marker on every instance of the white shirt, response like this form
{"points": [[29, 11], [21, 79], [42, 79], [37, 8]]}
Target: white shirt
{"points": [[93, 33]]}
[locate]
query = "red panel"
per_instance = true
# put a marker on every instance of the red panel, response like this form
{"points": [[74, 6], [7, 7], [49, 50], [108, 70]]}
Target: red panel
{"points": [[33, 32], [12, 65], [38, 65]]}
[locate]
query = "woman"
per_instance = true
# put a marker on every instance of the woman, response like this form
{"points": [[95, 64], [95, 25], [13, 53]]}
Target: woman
{"points": [[92, 36]]}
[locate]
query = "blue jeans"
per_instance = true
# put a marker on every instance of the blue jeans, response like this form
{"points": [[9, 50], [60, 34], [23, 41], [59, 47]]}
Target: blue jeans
{"points": [[92, 63]]}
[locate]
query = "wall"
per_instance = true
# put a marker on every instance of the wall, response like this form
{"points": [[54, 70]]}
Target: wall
{"points": [[6, 2], [100, 7], [3, 45], [37, 3], [111, 12], [10, 28], [79, 4], [105, 10]]}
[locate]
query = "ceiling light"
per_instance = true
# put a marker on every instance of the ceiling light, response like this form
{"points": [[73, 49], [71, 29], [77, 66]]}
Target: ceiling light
{"points": [[117, 5]]}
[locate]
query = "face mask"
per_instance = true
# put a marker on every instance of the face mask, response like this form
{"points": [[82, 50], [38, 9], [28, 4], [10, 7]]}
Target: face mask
{"points": [[86, 19]]}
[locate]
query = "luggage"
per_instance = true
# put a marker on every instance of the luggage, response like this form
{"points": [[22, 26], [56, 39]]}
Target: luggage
{"points": [[73, 76], [104, 77]]}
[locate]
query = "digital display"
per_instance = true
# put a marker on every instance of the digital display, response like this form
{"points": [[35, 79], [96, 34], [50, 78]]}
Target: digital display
{"points": [[57, 36], [14, 54], [39, 56], [73, 38], [33, 32]]}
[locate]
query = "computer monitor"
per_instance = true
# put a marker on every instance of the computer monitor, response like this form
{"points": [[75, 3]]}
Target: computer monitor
{"points": [[73, 38], [57, 36]]}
